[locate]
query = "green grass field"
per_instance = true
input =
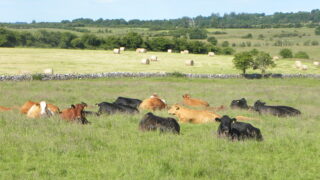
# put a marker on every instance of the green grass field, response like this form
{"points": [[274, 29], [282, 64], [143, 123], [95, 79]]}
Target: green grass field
{"points": [[113, 148], [28, 60]]}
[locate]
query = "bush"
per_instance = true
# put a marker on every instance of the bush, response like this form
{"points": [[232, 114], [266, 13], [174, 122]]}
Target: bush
{"points": [[212, 40], [286, 53], [225, 44], [38, 77], [317, 30], [248, 36], [302, 55]]}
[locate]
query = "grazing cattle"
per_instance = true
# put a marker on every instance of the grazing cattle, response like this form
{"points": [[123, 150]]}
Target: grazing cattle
{"points": [[134, 103], [2, 108], [280, 111], [109, 108], [186, 115], [39, 110], [234, 130], [150, 122], [187, 100], [153, 103], [239, 104], [26, 106], [75, 113]]}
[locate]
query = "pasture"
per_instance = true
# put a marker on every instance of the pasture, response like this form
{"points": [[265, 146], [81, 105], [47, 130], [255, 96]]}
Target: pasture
{"points": [[113, 148], [30, 60]]}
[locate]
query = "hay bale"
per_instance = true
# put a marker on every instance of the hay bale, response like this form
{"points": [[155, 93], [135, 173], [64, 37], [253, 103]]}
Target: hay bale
{"points": [[189, 62], [186, 52], [141, 50], [122, 48], [145, 61], [169, 50], [316, 63], [275, 58], [304, 67], [116, 51], [48, 71], [211, 54], [298, 64], [181, 52], [154, 58]]}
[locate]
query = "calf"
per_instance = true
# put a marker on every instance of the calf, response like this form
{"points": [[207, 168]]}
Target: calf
{"points": [[150, 122], [234, 130], [187, 100], [75, 113], [109, 108], [134, 103], [280, 111]]}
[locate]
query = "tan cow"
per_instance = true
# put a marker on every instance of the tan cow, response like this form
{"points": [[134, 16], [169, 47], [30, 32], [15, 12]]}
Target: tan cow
{"points": [[153, 103], [186, 115], [26, 106], [187, 100], [39, 110]]}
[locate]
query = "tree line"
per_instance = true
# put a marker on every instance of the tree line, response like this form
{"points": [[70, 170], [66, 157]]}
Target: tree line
{"points": [[229, 20], [131, 40]]}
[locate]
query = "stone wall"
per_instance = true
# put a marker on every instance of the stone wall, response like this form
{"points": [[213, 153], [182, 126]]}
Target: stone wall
{"points": [[146, 75]]}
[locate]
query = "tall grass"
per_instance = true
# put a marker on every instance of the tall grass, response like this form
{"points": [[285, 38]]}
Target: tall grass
{"points": [[113, 148]]}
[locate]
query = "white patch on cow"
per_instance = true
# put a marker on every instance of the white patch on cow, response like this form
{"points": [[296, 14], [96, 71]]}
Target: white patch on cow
{"points": [[43, 106]]}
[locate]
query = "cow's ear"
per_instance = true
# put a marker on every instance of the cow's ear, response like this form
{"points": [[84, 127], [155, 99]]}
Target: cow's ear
{"points": [[73, 106], [234, 120], [218, 119]]}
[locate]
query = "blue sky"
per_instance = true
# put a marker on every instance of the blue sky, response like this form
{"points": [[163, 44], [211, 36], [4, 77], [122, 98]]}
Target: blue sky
{"points": [[57, 10]]}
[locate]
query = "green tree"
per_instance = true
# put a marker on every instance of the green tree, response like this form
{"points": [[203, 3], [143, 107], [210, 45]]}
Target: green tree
{"points": [[317, 30], [286, 53], [212, 40], [197, 33], [77, 43], [302, 55], [243, 61], [262, 61], [7, 38]]}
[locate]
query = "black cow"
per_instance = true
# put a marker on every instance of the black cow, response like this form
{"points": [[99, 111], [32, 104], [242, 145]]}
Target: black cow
{"points": [[237, 130], [109, 108], [280, 111], [90, 113], [239, 104], [134, 103], [150, 122]]}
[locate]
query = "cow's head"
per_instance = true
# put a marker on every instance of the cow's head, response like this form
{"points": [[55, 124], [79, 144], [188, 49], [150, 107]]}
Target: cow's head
{"points": [[258, 104], [80, 115], [186, 96], [241, 104], [225, 124], [174, 109]]}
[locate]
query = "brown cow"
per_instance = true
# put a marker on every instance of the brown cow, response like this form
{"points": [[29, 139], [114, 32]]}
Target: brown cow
{"points": [[187, 100], [26, 106], [2, 108], [153, 103], [75, 113], [192, 116], [39, 110]]}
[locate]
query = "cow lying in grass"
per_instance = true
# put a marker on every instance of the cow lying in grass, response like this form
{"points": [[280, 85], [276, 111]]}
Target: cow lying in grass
{"points": [[187, 100], [239, 104], [75, 113], [134, 103], [186, 115], [110, 108], [38, 110], [280, 111], [234, 130], [150, 122], [153, 103], [26, 106]]}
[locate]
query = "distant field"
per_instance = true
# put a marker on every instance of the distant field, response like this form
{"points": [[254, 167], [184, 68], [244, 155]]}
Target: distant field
{"points": [[25, 60], [297, 39], [113, 148]]}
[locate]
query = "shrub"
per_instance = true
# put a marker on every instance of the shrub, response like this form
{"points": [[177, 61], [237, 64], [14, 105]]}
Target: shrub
{"points": [[225, 44], [302, 55], [248, 36], [212, 40], [286, 53], [38, 77], [317, 30]]}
